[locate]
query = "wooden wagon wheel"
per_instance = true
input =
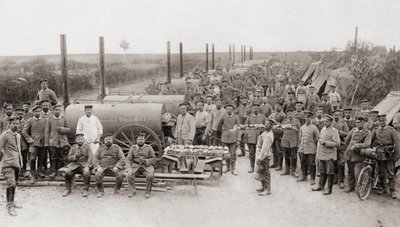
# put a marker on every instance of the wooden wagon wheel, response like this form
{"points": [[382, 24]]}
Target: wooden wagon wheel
{"points": [[125, 137]]}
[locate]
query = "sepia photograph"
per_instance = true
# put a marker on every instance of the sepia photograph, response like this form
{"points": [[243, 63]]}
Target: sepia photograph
{"points": [[186, 113]]}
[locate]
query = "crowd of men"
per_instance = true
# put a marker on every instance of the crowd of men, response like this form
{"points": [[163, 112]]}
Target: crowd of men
{"points": [[320, 131], [36, 139]]}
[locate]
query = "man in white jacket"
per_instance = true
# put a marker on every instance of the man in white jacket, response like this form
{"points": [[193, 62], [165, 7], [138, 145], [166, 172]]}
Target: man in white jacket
{"points": [[91, 127], [263, 155]]}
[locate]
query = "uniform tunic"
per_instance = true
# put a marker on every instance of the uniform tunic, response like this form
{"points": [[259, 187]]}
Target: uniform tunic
{"points": [[253, 119], [332, 140], [385, 137], [278, 116], [326, 107], [185, 128], [54, 138], [264, 153], [145, 152], [80, 156], [34, 129], [10, 149], [351, 123], [290, 138], [343, 130], [226, 125], [47, 114], [47, 94], [309, 135], [266, 109], [319, 123], [243, 111], [4, 123], [109, 157], [312, 102], [360, 139]]}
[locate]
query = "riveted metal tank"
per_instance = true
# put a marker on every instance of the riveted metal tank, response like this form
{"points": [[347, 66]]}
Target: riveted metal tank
{"points": [[171, 101]]}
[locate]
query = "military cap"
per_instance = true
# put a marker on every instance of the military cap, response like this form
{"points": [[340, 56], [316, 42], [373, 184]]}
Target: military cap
{"points": [[12, 118], [7, 105], [290, 110], [299, 102], [374, 112], [43, 80], [271, 120], [290, 93], [328, 117], [258, 90], [78, 135], [256, 104], [209, 96], [359, 119], [348, 109], [18, 109], [26, 103], [381, 115], [142, 134], [57, 106], [107, 135], [337, 110], [308, 113], [188, 82], [318, 108], [183, 104], [201, 100], [167, 82], [88, 106], [224, 80], [218, 99], [229, 105], [364, 100], [35, 107], [43, 101], [323, 94], [312, 86]]}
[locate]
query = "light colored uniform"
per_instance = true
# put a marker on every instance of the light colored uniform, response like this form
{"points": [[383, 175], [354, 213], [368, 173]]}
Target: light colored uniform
{"points": [[92, 129]]}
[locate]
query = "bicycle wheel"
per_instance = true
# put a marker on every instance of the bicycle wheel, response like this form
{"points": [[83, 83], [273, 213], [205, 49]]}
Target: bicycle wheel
{"points": [[397, 181], [364, 182]]}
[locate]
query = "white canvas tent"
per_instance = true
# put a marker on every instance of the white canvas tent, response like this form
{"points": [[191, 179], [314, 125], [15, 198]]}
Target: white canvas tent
{"points": [[390, 105]]}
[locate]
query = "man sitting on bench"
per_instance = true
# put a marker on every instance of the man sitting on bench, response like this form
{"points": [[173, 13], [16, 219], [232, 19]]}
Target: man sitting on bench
{"points": [[140, 160]]}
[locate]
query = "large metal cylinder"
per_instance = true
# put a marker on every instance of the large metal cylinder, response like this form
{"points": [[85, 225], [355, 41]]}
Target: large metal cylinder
{"points": [[171, 101], [114, 116]]}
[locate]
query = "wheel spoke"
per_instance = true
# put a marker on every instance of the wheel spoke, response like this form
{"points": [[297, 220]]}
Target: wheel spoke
{"points": [[133, 135], [129, 141], [119, 141]]}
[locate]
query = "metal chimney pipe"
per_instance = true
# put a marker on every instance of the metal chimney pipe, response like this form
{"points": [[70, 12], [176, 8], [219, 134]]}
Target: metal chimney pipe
{"points": [[207, 57], [102, 68], [212, 57], [230, 54], [181, 59], [233, 55], [169, 61], [64, 69]]}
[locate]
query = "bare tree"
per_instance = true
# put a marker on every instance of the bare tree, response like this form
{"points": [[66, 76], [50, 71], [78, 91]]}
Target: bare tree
{"points": [[124, 45]]}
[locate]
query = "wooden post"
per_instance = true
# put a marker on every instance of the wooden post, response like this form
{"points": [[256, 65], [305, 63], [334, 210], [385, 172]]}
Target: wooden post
{"points": [[230, 54], [241, 53], [207, 57], [355, 41], [212, 57], [244, 53], [169, 61], [64, 69], [181, 59], [102, 68], [233, 50]]}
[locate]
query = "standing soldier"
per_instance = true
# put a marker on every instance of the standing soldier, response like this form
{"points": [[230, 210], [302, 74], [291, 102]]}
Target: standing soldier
{"points": [[334, 97], [109, 160], [216, 116], [252, 134], [243, 111], [140, 160], [4, 120], [263, 155], [351, 123], [19, 113], [312, 100], [364, 104], [343, 130], [290, 103], [373, 120], [290, 142], [325, 105], [328, 142], [266, 108], [309, 135], [358, 138], [298, 114], [169, 90], [153, 88], [33, 132], [202, 124], [55, 138], [80, 159], [230, 137], [276, 147], [319, 120], [278, 115], [387, 144], [188, 92], [46, 112], [90, 126], [26, 107], [46, 93], [11, 161], [185, 126], [228, 92]]}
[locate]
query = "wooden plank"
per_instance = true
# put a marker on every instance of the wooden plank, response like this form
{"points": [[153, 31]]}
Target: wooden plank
{"points": [[200, 166], [182, 176]]}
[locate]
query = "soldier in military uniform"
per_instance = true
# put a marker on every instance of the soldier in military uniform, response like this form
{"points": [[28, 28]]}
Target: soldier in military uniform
{"points": [[80, 159], [109, 160], [230, 137], [373, 120], [4, 120], [46, 93], [19, 113], [343, 130], [298, 114], [255, 118], [364, 104], [140, 161], [243, 111], [290, 103], [358, 138], [278, 115], [387, 144], [290, 142], [27, 113], [318, 120], [169, 90], [325, 104], [11, 161], [351, 123], [312, 100]]}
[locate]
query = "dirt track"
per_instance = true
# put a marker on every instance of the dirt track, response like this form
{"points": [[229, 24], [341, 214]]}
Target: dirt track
{"points": [[232, 203]]}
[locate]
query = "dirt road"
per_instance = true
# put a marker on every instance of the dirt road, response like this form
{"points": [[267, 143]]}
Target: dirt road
{"points": [[232, 203]]}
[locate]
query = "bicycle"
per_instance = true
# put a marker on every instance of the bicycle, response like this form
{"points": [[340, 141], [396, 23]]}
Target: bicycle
{"points": [[368, 178]]}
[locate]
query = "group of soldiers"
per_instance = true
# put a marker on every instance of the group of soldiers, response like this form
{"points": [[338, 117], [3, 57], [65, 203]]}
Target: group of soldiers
{"points": [[296, 124], [32, 137]]}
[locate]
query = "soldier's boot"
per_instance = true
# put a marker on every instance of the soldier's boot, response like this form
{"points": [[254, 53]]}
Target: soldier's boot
{"points": [[53, 168], [228, 166], [330, 184], [322, 181], [312, 174], [392, 184], [280, 161], [10, 202], [341, 176], [33, 172], [293, 163], [275, 161], [252, 161], [233, 165], [287, 167], [149, 185], [66, 192], [100, 187], [262, 187]]}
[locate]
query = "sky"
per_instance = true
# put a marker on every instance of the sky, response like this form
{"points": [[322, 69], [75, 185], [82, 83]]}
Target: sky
{"points": [[33, 27]]}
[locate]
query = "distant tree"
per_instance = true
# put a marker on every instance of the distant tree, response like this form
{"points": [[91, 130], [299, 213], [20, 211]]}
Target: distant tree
{"points": [[124, 45]]}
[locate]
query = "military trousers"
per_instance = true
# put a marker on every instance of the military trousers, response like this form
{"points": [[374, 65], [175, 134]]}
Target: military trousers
{"points": [[354, 169], [108, 172], [141, 171]]}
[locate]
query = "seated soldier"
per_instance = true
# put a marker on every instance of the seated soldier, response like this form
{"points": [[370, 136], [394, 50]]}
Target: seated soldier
{"points": [[140, 161], [80, 159], [108, 160]]}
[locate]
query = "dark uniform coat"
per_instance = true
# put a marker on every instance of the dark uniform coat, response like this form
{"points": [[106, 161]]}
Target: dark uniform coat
{"points": [[56, 132], [136, 154], [109, 157], [34, 129], [360, 139], [80, 156]]}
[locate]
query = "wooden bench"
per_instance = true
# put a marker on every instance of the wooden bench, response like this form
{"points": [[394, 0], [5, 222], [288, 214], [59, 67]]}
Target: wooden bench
{"points": [[184, 176]]}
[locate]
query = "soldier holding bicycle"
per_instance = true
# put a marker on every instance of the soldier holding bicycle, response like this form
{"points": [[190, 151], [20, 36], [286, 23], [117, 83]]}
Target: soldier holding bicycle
{"points": [[387, 144]]}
